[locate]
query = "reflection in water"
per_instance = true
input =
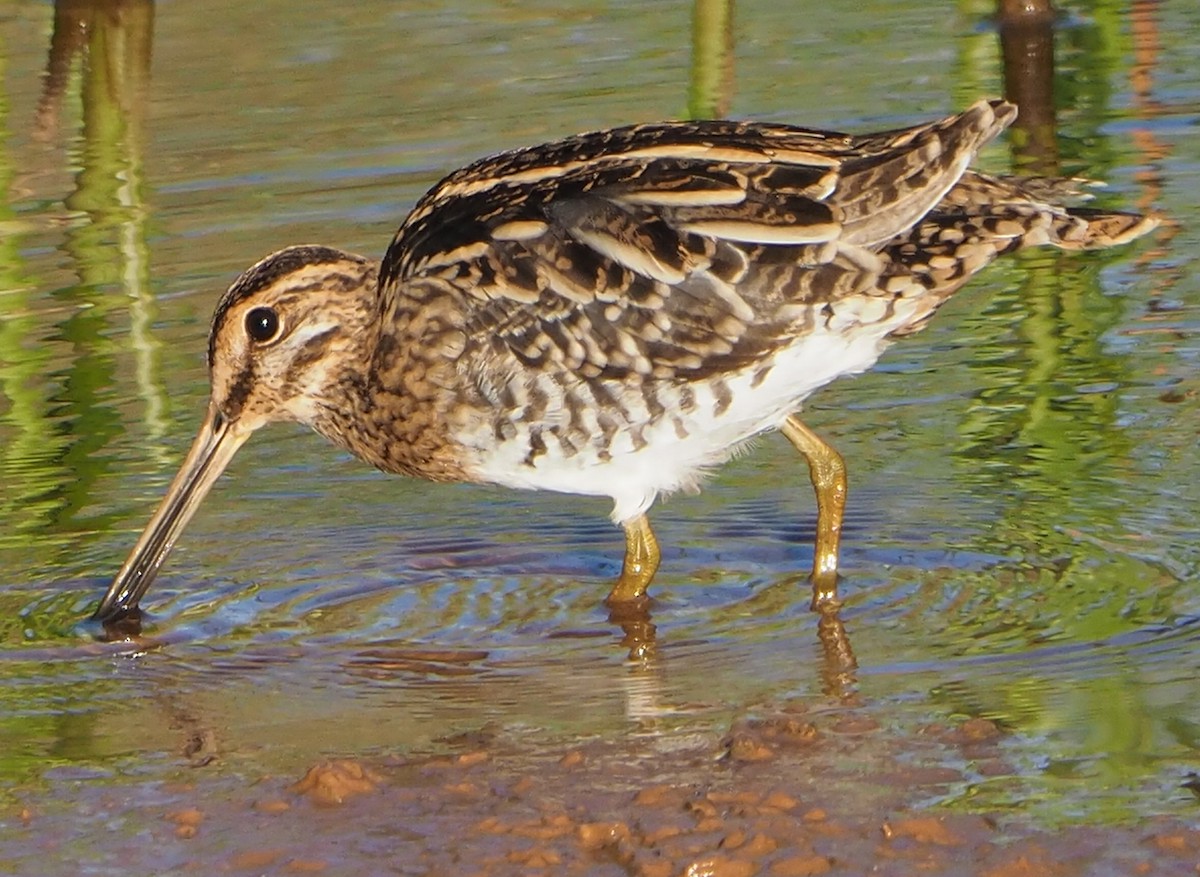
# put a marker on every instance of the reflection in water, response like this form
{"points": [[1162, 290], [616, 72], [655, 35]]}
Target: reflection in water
{"points": [[644, 682], [59, 451], [711, 90], [112, 39], [1027, 47], [1146, 47], [60, 420], [638, 630], [26, 500], [110, 250], [1048, 404], [838, 664], [1043, 432]]}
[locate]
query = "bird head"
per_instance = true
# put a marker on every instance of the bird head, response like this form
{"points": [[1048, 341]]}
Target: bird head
{"points": [[283, 335]]}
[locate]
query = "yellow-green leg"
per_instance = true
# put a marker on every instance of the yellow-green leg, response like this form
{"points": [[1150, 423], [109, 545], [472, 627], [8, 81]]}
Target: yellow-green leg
{"points": [[641, 562], [828, 473]]}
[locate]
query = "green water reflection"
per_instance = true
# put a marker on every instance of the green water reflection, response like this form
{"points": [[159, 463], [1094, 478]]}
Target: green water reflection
{"points": [[1022, 542], [62, 417]]}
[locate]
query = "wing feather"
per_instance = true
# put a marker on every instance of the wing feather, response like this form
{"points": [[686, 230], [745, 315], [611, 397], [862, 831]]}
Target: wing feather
{"points": [[674, 251]]}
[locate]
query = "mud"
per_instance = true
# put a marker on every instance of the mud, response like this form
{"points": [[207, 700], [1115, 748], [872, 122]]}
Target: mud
{"points": [[788, 792]]}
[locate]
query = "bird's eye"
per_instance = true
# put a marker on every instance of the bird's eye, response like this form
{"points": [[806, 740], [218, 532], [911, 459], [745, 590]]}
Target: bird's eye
{"points": [[262, 325]]}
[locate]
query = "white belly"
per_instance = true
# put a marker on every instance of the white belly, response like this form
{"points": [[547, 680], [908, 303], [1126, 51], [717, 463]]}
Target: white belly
{"points": [[675, 451]]}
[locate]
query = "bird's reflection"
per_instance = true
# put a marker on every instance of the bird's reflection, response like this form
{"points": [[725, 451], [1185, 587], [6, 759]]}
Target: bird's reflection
{"points": [[639, 633], [838, 665], [837, 668]]}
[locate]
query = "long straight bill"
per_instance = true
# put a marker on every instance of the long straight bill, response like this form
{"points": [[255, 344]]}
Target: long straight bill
{"points": [[211, 452]]}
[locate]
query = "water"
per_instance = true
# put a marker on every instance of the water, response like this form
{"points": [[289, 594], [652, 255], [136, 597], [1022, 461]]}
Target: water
{"points": [[1021, 536]]}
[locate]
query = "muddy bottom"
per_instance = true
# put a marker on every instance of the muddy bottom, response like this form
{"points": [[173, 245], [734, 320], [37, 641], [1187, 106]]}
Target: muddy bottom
{"points": [[789, 791]]}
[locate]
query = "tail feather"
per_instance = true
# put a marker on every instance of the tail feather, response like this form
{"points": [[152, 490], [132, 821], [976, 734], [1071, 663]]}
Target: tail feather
{"points": [[1034, 204], [947, 249], [896, 177], [1098, 229]]}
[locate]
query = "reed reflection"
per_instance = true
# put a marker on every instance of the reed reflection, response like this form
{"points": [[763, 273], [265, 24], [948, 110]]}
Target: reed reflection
{"points": [[1027, 419], [1027, 48], [106, 48], [710, 90]]}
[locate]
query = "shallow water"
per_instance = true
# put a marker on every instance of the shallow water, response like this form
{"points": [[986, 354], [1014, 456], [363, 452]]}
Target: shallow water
{"points": [[1021, 537]]}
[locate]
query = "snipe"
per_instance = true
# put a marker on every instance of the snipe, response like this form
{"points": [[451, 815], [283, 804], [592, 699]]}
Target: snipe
{"points": [[614, 313]]}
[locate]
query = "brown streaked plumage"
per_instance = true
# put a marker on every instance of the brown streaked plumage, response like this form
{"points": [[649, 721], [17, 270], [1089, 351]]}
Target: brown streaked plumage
{"points": [[614, 313]]}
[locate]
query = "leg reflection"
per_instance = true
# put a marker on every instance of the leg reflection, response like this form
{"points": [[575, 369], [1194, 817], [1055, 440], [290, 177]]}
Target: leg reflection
{"points": [[639, 632], [838, 666], [642, 684]]}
